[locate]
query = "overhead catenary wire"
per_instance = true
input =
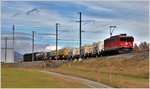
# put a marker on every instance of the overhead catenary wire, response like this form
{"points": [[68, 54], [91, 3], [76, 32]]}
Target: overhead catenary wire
{"points": [[46, 34]]}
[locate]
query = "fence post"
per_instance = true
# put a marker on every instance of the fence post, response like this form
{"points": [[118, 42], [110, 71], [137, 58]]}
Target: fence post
{"points": [[99, 73], [68, 68], [44, 65], [110, 74]]}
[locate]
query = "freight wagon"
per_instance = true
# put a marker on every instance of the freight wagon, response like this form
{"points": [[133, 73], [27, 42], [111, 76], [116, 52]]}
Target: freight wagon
{"points": [[28, 57], [98, 47], [48, 55], [38, 56], [73, 53], [86, 51], [53, 55], [61, 54]]}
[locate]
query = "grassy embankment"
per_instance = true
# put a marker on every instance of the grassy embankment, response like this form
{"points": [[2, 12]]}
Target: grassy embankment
{"points": [[126, 72], [29, 78]]}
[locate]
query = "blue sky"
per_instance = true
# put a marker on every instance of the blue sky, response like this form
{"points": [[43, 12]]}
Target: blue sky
{"points": [[131, 17]]}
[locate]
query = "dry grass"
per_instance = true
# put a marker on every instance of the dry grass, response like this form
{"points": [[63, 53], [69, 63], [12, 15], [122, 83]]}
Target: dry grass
{"points": [[127, 72]]}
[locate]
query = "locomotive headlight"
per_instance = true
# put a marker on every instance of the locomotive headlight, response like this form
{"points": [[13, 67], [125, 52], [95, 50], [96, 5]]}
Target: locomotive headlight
{"points": [[126, 43]]}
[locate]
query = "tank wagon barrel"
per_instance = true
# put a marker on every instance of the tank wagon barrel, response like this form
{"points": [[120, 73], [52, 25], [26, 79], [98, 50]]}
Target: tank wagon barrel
{"points": [[73, 54], [86, 51], [63, 53], [98, 48]]}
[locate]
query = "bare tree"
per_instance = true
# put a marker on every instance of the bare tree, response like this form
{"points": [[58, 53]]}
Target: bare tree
{"points": [[144, 46], [135, 48]]}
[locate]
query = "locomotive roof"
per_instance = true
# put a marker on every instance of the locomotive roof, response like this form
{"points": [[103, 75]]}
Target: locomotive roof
{"points": [[121, 35]]}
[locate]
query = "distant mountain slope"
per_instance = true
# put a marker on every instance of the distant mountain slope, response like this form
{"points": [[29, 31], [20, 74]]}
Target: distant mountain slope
{"points": [[18, 57]]}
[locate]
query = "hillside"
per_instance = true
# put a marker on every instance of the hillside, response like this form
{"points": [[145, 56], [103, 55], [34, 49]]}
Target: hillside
{"points": [[129, 70]]}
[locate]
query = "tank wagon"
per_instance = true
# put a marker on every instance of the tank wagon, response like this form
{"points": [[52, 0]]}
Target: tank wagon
{"points": [[98, 47], [73, 53], [61, 54], [86, 51]]}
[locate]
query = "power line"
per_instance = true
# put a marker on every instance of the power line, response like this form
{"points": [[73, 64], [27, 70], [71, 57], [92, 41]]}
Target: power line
{"points": [[45, 34], [92, 31]]}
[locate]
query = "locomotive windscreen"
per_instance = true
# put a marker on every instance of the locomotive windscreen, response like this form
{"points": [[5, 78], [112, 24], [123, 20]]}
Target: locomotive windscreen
{"points": [[126, 39]]}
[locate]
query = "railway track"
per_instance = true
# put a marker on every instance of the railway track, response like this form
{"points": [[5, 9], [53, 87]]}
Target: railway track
{"points": [[126, 55], [144, 53]]}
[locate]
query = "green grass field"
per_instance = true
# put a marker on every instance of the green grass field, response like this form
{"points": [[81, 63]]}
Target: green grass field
{"points": [[126, 73], [30, 78]]}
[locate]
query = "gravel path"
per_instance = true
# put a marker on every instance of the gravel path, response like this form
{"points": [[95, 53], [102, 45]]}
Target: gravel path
{"points": [[89, 83]]}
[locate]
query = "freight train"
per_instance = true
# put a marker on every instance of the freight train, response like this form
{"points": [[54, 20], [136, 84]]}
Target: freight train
{"points": [[113, 45]]}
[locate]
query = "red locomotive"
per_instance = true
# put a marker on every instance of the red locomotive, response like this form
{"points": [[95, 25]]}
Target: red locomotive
{"points": [[119, 43]]}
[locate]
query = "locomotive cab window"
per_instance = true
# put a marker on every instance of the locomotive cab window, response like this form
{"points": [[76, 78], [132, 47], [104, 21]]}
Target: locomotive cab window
{"points": [[129, 39], [124, 39]]}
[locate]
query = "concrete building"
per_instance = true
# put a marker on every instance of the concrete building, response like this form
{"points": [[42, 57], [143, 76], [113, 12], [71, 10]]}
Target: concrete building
{"points": [[7, 56]]}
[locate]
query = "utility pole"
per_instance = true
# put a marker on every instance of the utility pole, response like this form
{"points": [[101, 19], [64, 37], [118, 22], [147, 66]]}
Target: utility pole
{"points": [[33, 32], [57, 24], [80, 31], [5, 49], [14, 41], [111, 30]]}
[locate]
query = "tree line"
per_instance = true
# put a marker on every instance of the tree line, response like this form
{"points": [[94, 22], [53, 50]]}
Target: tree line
{"points": [[143, 46]]}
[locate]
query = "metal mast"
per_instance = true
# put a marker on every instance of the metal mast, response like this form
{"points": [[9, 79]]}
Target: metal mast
{"points": [[57, 24], [33, 32], [5, 49], [80, 32], [14, 41]]}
